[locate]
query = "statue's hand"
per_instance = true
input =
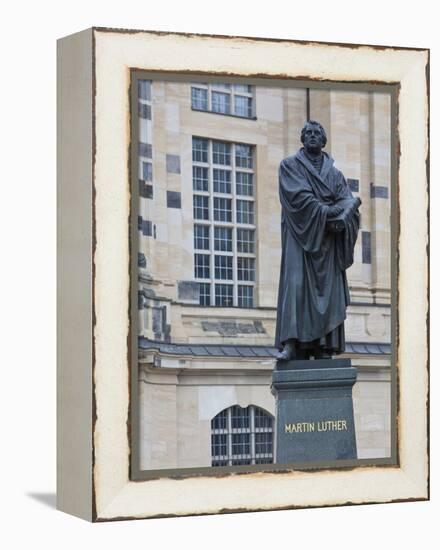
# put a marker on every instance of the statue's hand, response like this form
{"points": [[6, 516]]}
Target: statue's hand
{"points": [[334, 211], [335, 226]]}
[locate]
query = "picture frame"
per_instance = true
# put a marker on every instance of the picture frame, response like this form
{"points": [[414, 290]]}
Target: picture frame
{"points": [[98, 476]]}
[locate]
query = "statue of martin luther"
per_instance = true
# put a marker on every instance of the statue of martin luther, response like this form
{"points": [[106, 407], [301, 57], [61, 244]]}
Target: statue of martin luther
{"points": [[319, 226]]}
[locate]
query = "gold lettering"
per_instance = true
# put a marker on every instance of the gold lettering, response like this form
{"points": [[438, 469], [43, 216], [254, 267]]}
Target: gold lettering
{"points": [[320, 426]]}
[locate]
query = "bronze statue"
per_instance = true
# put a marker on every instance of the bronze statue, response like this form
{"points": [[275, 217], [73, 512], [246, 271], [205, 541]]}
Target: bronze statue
{"points": [[319, 227]]}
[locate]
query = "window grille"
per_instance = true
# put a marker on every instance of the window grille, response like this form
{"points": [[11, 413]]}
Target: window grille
{"points": [[225, 99], [242, 436], [224, 226]]}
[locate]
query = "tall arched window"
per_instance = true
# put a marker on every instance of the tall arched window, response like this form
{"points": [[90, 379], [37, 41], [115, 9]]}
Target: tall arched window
{"points": [[242, 436]]}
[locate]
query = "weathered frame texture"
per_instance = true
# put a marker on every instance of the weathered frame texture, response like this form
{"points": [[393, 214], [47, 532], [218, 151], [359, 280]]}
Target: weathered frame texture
{"points": [[95, 220]]}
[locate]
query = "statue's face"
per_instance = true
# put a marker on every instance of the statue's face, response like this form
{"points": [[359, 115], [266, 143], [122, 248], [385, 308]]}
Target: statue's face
{"points": [[313, 139]]}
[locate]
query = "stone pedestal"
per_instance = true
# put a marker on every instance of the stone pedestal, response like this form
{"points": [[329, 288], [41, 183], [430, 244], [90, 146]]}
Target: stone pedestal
{"points": [[314, 410]]}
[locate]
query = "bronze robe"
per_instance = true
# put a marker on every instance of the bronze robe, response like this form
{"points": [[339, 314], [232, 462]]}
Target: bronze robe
{"points": [[313, 292]]}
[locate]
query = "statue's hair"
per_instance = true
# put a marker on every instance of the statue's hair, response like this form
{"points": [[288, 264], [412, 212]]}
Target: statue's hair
{"points": [[315, 123]]}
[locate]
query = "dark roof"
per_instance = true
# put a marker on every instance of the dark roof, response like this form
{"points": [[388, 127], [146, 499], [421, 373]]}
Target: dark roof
{"points": [[260, 352]]}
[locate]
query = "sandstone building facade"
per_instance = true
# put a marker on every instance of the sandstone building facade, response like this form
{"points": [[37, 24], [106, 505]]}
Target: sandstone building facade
{"points": [[209, 254]]}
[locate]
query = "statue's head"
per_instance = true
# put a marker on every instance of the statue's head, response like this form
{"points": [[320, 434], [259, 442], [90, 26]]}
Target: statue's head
{"points": [[313, 136]]}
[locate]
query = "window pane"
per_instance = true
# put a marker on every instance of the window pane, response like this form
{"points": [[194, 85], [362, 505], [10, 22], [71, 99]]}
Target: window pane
{"points": [[240, 417], [201, 237], [245, 212], [200, 150], [223, 267], [219, 446], [145, 150], [205, 294], [263, 443], [242, 88], [199, 98], [144, 110], [245, 241], [221, 103], [262, 420], [222, 181], [222, 209], [221, 153], [223, 295], [144, 89], [147, 171], [243, 155], [201, 266], [200, 178], [246, 269], [245, 296], [201, 207], [243, 106], [240, 461], [245, 183], [241, 444], [220, 422], [223, 239]]}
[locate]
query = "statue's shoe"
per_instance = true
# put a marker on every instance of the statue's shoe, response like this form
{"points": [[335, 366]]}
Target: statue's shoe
{"points": [[285, 355]]}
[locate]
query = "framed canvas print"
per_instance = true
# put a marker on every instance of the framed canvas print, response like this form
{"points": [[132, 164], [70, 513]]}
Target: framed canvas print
{"points": [[243, 276]]}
